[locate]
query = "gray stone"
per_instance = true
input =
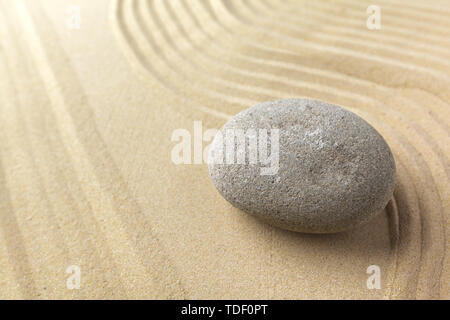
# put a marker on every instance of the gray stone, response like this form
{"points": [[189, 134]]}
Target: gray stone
{"points": [[335, 170]]}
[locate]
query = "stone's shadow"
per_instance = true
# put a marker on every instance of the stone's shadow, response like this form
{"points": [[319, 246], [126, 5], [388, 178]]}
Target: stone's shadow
{"points": [[371, 238]]}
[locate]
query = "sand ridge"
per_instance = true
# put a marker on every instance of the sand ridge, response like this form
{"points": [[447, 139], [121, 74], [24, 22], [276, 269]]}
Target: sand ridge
{"points": [[86, 118]]}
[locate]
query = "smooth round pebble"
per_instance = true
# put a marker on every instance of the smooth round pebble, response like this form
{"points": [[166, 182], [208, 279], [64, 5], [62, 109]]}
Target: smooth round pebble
{"points": [[334, 171]]}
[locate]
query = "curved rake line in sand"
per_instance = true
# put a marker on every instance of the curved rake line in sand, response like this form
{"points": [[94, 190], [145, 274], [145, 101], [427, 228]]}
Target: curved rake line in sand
{"points": [[285, 67], [442, 92], [378, 37], [400, 144], [197, 69], [12, 234], [247, 71], [397, 16], [434, 263], [331, 88], [285, 57], [223, 93], [410, 152], [136, 227], [370, 83], [295, 43], [249, 38], [358, 13], [69, 215], [50, 218], [432, 141], [421, 7], [404, 285], [65, 216], [398, 34], [234, 76], [141, 65], [394, 251], [229, 3], [351, 31], [277, 92], [441, 215], [397, 21], [414, 104], [429, 140], [417, 9], [394, 232]]}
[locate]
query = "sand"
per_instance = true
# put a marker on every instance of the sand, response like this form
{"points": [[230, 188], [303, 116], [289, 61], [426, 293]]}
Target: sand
{"points": [[87, 115]]}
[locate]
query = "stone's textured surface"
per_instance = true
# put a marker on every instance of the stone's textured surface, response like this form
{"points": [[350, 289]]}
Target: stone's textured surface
{"points": [[335, 170]]}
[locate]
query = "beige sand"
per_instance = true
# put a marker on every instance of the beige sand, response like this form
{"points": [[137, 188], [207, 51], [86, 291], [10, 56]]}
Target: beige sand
{"points": [[86, 118]]}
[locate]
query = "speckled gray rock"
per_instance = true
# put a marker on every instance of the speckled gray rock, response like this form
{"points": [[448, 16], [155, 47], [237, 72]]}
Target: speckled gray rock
{"points": [[335, 171]]}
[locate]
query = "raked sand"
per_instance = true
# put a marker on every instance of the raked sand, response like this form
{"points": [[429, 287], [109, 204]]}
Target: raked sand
{"points": [[87, 116]]}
